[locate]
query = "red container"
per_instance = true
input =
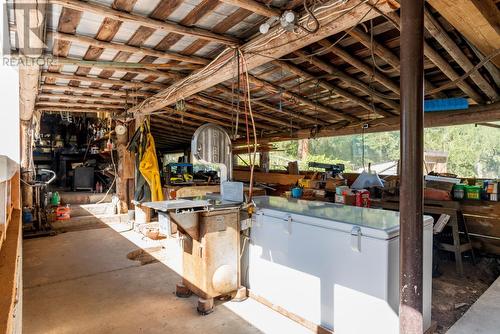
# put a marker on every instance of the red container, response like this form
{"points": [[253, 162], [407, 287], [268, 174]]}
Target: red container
{"points": [[363, 198], [63, 213]]}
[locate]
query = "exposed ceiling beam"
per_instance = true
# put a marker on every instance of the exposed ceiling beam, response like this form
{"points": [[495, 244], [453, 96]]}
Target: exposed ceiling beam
{"points": [[133, 84], [361, 65], [92, 91], [221, 104], [48, 104], [74, 110], [382, 51], [438, 32], [30, 45], [166, 26], [475, 114], [347, 79], [444, 66], [295, 98], [477, 20], [261, 50], [254, 6], [101, 99], [291, 114], [79, 39]]}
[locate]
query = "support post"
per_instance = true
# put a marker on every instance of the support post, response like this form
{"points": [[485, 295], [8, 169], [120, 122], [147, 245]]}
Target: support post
{"points": [[411, 190]]}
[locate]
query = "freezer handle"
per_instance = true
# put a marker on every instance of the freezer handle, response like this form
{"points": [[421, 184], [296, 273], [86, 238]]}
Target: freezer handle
{"points": [[356, 239]]}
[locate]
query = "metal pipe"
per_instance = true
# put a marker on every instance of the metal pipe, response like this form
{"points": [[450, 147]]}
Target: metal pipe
{"points": [[411, 190]]}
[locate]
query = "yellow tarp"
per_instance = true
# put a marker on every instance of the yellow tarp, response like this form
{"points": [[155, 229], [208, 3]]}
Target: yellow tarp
{"points": [[149, 169]]}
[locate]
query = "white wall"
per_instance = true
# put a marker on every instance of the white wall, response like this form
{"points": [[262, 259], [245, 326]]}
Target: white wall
{"points": [[9, 102]]}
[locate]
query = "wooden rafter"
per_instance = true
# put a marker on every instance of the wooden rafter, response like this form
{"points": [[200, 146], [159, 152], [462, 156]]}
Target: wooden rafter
{"points": [[126, 48], [288, 42], [254, 6], [145, 21]]}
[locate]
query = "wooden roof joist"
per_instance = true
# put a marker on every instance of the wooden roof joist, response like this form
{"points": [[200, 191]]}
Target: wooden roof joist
{"points": [[295, 98], [96, 80], [361, 65], [48, 104], [75, 110], [338, 90], [257, 115], [261, 50], [101, 99], [95, 91], [166, 26], [254, 6], [291, 114], [78, 39], [475, 114]]}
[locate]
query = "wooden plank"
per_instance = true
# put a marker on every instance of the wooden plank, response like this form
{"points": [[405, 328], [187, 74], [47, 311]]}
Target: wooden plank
{"points": [[256, 56], [477, 20], [9, 272], [268, 178], [146, 21]]}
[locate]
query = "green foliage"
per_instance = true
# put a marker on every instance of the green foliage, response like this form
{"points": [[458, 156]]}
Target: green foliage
{"points": [[472, 151]]}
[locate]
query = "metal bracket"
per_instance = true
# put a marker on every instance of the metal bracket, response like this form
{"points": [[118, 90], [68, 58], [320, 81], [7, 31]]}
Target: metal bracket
{"points": [[288, 219], [356, 239]]}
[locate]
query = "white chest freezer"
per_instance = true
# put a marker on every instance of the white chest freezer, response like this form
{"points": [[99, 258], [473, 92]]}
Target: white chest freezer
{"points": [[332, 265]]}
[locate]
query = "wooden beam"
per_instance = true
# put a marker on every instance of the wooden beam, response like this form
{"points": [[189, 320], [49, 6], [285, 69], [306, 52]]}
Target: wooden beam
{"points": [[225, 106], [361, 65], [347, 79], [255, 7], [475, 114], [120, 101], [477, 20], [73, 110], [79, 39], [444, 66], [261, 50], [291, 114], [295, 98], [48, 104], [29, 19], [133, 84], [93, 91], [222, 115], [382, 51], [438, 32], [166, 26], [123, 66]]}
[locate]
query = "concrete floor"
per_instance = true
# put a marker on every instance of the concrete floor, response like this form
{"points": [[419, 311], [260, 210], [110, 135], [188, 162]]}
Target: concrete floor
{"points": [[484, 315], [83, 282]]}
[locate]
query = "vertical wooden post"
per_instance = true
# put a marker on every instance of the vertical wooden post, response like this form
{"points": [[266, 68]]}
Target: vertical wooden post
{"points": [[411, 191], [26, 156]]}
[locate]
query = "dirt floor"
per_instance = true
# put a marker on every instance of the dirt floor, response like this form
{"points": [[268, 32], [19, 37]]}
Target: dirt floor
{"points": [[452, 295]]}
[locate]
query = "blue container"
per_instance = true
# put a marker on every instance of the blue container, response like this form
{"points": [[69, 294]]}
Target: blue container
{"points": [[446, 104], [296, 192], [27, 216]]}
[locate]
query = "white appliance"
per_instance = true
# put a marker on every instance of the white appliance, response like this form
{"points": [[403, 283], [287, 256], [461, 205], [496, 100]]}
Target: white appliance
{"points": [[332, 265]]}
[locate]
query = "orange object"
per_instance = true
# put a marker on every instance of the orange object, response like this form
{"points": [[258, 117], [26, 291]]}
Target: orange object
{"points": [[63, 213]]}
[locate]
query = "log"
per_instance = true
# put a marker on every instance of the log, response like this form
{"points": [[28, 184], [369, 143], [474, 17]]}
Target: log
{"points": [[49, 104], [121, 101], [91, 90]]}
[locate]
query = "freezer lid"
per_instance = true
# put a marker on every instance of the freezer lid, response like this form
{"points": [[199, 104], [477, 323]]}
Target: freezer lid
{"points": [[376, 223]]}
